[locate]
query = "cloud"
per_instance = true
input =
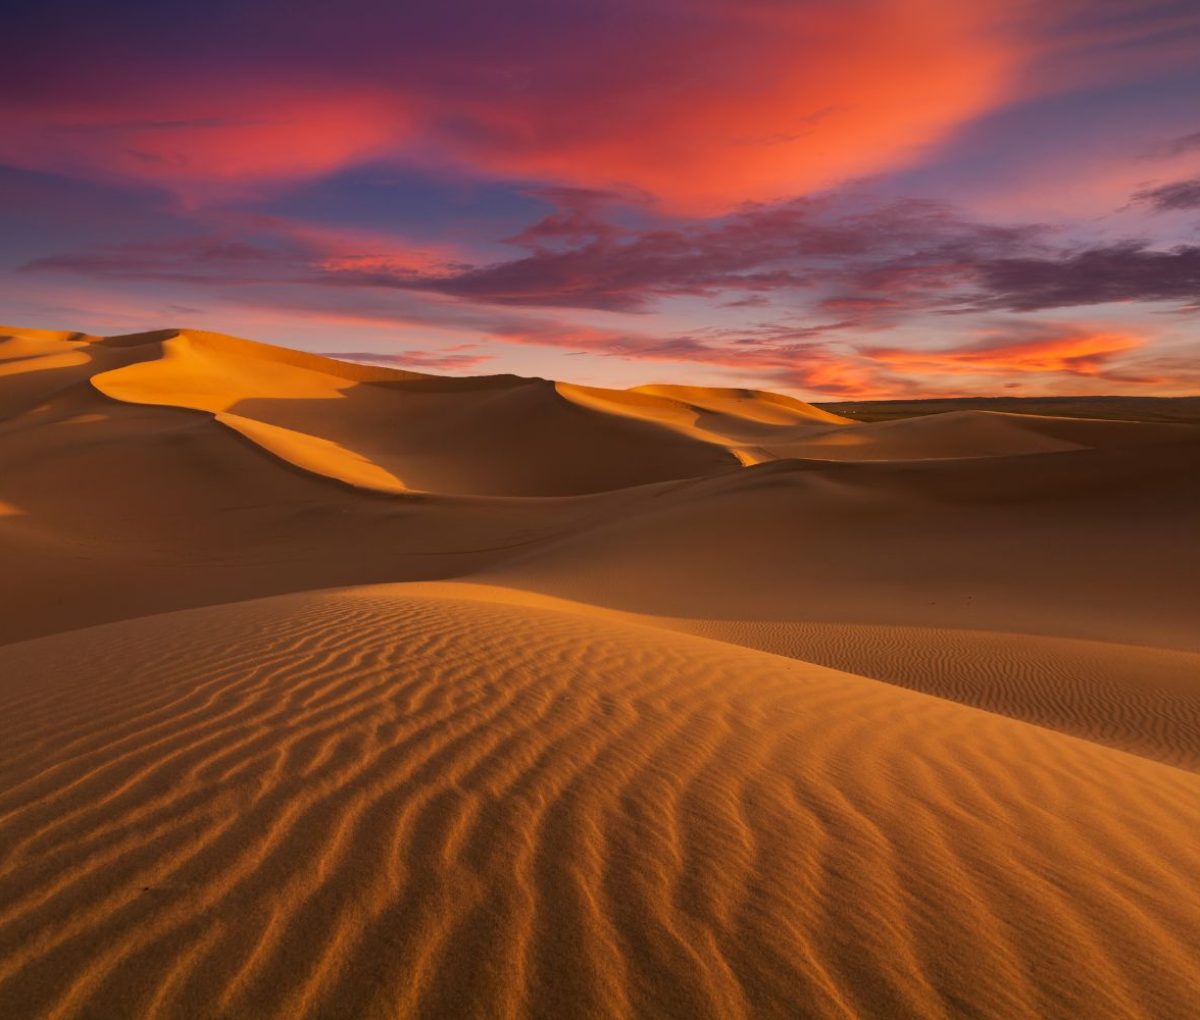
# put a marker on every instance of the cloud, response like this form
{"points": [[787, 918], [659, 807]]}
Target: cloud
{"points": [[208, 259], [796, 362], [866, 263], [203, 139], [703, 104], [862, 263], [1124, 271], [826, 272], [255, 250], [1173, 196], [1024, 348], [1180, 146], [1084, 43], [801, 96], [449, 359], [576, 259]]}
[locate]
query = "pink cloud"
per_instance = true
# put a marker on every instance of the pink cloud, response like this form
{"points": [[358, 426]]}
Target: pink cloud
{"points": [[703, 105], [204, 139], [801, 97]]}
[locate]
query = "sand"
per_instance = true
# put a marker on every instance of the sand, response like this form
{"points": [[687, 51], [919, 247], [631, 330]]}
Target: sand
{"points": [[336, 691]]}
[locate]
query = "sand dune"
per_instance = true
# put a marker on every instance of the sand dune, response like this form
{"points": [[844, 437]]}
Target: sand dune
{"points": [[1034, 545], [739, 420], [500, 435], [497, 435], [336, 691], [369, 803]]}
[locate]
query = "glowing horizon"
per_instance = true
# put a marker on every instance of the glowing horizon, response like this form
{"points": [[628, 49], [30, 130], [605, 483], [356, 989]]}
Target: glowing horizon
{"points": [[890, 198]]}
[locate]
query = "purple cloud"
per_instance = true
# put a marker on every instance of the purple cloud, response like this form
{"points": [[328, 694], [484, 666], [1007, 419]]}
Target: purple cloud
{"points": [[1127, 271], [1173, 196]]}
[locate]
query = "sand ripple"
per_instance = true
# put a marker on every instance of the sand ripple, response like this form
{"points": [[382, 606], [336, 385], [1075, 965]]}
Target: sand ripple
{"points": [[372, 803], [1139, 699]]}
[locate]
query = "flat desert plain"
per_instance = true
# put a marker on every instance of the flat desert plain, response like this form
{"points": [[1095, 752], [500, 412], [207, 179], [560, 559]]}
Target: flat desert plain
{"points": [[329, 690]]}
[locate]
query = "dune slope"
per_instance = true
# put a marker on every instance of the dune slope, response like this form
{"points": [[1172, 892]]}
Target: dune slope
{"points": [[1139, 699], [380, 803]]}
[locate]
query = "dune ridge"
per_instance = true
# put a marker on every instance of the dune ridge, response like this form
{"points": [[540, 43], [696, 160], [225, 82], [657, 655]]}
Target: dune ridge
{"points": [[498, 435], [329, 690]]}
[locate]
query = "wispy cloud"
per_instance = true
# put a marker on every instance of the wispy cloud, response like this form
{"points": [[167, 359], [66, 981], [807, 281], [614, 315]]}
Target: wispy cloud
{"points": [[1021, 348], [449, 359], [1123, 271], [1172, 196]]}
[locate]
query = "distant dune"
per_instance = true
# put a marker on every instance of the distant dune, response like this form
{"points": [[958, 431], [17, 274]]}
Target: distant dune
{"points": [[1165, 409], [329, 690]]}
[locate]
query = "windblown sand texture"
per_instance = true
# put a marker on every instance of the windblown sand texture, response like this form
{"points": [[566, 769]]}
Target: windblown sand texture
{"points": [[336, 691]]}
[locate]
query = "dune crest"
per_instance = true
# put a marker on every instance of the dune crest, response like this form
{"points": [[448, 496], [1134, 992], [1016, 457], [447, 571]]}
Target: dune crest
{"points": [[494, 435], [738, 420]]}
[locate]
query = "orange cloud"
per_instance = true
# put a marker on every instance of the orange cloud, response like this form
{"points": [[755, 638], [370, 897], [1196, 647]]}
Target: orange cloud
{"points": [[704, 105], [812, 368], [1069, 351], [761, 101]]}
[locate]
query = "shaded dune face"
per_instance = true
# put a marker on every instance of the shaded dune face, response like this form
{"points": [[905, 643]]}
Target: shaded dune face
{"points": [[380, 803]]}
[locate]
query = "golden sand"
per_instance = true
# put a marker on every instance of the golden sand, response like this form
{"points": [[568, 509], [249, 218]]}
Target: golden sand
{"points": [[333, 691]]}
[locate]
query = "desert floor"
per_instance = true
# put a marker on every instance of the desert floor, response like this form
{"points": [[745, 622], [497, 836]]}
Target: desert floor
{"points": [[329, 690]]}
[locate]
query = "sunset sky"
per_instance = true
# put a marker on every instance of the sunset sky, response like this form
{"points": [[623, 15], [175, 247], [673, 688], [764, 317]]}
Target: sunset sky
{"points": [[865, 199]]}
